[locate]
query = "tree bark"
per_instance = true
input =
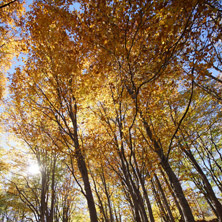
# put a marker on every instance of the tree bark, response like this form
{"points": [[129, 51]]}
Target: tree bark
{"points": [[165, 202], [172, 193], [51, 216], [176, 186], [43, 206], [159, 203], [208, 187], [89, 197], [149, 207], [82, 165]]}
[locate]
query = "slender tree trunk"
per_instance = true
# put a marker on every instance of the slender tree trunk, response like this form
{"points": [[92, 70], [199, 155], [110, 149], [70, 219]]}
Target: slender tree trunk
{"points": [[65, 214], [43, 207], [52, 191], [159, 203], [176, 186], [165, 202], [108, 197], [135, 201], [142, 181], [101, 207], [82, 165], [89, 197], [141, 205], [210, 204], [208, 187], [138, 203], [172, 193], [149, 207], [187, 213]]}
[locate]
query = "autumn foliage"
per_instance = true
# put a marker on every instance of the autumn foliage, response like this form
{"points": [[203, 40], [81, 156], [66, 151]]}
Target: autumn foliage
{"points": [[119, 102]]}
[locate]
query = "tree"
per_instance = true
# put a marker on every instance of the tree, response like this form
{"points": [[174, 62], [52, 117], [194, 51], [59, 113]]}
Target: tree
{"points": [[9, 12], [118, 87], [49, 94]]}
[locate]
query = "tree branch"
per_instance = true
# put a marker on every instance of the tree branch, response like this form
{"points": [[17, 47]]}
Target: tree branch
{"points": [[7, 4], [181, 120]]}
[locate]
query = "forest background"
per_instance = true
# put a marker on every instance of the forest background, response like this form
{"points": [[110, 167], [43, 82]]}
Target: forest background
{"points": [[111, 110]]}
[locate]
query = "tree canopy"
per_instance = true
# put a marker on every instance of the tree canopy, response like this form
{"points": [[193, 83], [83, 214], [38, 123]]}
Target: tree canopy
{"points": [[119, 103]]}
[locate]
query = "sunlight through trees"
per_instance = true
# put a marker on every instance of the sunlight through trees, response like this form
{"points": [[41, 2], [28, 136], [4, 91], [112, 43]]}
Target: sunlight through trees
{"points": [[118, 106]]}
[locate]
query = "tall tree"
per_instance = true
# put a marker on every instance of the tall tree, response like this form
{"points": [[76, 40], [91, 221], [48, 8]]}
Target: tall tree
{"points": [[114, 85], [10, 11]]}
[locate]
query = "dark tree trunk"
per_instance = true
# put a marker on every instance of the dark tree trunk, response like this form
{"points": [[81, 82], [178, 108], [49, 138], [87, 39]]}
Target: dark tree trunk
{"points": [[43, 206], [82, 164], [158, 201], [108, 197], [208, 187], [176, 186], [52, 191], [172, 193], [142, 181], [149, 207], [89, 197], [165, 202]]}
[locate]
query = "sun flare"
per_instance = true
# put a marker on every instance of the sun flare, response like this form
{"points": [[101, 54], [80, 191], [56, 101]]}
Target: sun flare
{"points": [[33, 169]]}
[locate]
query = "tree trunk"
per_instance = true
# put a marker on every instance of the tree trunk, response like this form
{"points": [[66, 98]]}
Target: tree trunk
{"points": [[52, 191], [108, 197], [176, 186], [82, 165], [165, 202], [142, 181], [149, 207], [187, 213], [208, 187], [172, 193], [43, 206], [89, 197], [159, 203]]}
